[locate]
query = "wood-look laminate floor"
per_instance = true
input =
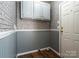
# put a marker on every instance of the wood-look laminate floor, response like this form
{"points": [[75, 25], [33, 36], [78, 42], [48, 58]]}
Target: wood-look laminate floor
{"points": [[40, 54]]}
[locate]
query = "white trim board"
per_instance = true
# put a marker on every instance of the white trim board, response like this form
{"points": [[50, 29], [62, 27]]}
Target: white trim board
{"points": [[37, 30], [32, 51], [54, 29], [37, 50], [54, 51], [33, 30], [4, 34]]}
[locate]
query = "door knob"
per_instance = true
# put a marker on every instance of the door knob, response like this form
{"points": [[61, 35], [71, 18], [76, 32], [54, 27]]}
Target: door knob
{"points": [[61, 29]]}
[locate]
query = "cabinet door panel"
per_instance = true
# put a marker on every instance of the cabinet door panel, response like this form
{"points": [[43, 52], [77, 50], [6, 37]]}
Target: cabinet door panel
{"points": [[46, 11], [27, 9], [41, 11], [37, 10]]}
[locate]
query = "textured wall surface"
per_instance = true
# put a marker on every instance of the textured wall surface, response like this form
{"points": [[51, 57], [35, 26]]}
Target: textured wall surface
{"points": [[29, 23], [8, 46], [7, 22], [31, 40], [55, 14], [55, 24], [7, 15]]}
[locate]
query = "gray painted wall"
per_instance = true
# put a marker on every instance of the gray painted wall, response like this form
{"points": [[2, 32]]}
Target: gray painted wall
{"points": [[8, 46], [31, 40], [54, 25], [55, 40]]}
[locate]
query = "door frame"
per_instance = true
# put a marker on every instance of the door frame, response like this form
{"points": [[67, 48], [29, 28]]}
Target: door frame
{"points": [[60, 36], [59, 30]]}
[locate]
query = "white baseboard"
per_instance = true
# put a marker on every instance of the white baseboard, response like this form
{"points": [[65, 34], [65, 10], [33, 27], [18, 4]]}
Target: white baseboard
{"points": [[54, 51], [31, 51], [37, 50]]}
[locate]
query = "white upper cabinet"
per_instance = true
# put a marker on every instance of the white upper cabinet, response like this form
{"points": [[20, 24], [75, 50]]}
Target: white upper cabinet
{"points": [[46, 11], [26, 9], [35, 10], [37, 14]]}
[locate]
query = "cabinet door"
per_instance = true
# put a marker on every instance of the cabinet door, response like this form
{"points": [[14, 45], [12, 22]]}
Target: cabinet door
{"points": [[46, 11], [26, 9], [37, 10]]}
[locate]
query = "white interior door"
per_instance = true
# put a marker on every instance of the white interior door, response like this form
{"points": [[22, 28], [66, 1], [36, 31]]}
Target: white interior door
{"points": [[76, 25], [69, 17]]}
